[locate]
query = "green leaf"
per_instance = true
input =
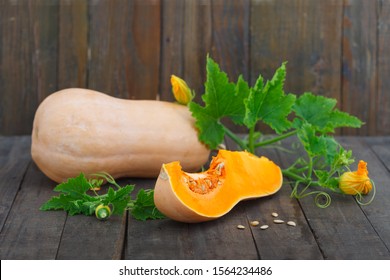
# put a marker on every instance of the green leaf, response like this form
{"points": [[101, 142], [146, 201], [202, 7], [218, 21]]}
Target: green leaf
{"points": [[321, 113], [211, 132], [222, 99], [74, 187], [88, 207], [57, 202], [326, 180], [118, 199], [74, 199], [313, 144], [69, 204], [242, 90], [144, 207], [269, 103]]}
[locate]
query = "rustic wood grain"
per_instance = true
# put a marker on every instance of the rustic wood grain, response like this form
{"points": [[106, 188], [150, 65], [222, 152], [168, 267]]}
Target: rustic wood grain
{"points": [[28, 60], [342, 230], [73, 44], [220, 239], [383, 96], [28, 232], [381, 149], [279, 241], [129, 49], [124, 45], [156, 239], [14, 159], [86, 238], [172, 44], [378, 211], [305, 33], [359, 54], [230, 36], [197, 41]]}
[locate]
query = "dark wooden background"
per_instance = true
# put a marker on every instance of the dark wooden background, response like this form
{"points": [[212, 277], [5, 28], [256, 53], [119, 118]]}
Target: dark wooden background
{"points": [[129, 49]]}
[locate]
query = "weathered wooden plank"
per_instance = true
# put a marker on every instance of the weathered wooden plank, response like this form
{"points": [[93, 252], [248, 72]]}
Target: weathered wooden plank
{"points": [[167, 239], [342, 229], [383, 68], [280, 241], [172, 45], [305, 33], [156, 239], [378, 211], [14, 159], [28, 232], [359, 47], [73, 44], [197, 32], [124, 45], [193, 29], [381, 147], [230, 36], [220, 239], [28, 45], [86, 238]]}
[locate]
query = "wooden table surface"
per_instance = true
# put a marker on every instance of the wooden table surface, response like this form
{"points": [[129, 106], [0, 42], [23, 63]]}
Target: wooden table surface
{"points": [[344, 230]]}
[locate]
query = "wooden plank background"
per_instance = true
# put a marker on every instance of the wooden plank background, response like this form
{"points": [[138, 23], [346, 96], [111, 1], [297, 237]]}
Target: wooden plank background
{"points": [[129, 49]]}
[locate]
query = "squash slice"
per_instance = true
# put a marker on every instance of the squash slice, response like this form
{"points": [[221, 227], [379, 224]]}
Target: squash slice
{"points": [[232, 177]]}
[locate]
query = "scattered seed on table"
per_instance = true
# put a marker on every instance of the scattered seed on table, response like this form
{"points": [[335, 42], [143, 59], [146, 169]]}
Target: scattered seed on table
{"points": [[274, 214], [291, 223], [264, 226], [241, 227], [278, 221], [254, 223]]}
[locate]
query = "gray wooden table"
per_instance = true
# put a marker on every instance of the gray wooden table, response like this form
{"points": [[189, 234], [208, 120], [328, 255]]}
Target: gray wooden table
{"points": [[345, 230]]}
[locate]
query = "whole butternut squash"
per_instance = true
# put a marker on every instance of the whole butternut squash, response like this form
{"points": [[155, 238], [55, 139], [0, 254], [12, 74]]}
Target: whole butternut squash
{"points": [[79, 130]]}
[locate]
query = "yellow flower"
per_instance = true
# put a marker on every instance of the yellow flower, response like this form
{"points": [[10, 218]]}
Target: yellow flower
{"points": [[181, 91], [356, 182]]}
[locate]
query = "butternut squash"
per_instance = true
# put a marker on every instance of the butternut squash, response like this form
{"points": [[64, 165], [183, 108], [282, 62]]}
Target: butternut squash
{"points": [[80, 130], [232, 177]]}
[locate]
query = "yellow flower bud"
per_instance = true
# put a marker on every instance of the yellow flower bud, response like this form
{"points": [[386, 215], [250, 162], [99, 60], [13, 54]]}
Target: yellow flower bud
{"points": [[181, 91], [356, 182]]}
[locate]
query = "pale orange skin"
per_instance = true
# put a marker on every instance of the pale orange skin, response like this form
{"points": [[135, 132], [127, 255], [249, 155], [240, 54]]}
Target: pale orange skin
{"points": [[80, 130]]}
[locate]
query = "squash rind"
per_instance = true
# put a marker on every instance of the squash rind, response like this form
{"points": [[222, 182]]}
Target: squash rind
{"points": [[80, 130], [175, 200]]}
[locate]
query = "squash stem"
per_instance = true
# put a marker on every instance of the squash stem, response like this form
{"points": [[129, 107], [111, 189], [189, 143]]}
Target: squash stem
{"points": [[310, 167], [251, 142], [275, 139], [235, 138], [293, 175]]}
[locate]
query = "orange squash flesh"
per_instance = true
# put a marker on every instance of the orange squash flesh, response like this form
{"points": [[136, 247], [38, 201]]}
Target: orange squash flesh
{"points": [[232, 177]]}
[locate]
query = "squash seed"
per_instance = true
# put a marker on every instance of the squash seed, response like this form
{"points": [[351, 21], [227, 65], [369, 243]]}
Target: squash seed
{"points": [[291, 223], [241, 227], [264, 226], [278, 221], [221, 146], [274, 214], [254, 223]]}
